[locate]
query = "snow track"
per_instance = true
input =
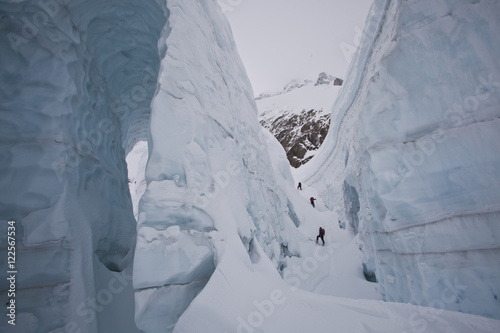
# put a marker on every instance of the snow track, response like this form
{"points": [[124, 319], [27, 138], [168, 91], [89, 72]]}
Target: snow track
{"points": [[323, 290], [334, 269]]}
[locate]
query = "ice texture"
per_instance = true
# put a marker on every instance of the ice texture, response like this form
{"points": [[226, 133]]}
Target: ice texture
{"points": [[414, 141], [76, 81], [82, 82], [211, 186]]}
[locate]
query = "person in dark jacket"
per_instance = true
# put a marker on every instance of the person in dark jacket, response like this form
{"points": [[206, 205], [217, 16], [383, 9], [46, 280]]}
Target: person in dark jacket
{"points": [[312, 201], [321, 235], [299, 187]]}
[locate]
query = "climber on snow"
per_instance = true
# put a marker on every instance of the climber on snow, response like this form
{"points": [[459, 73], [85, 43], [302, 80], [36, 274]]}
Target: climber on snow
{"points": [[312, 201], [321, 235], [299, 187]]}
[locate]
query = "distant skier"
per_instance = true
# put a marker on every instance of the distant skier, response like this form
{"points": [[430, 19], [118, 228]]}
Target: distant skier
{"points": [[312, 201], [321, 235], [299, 187]]}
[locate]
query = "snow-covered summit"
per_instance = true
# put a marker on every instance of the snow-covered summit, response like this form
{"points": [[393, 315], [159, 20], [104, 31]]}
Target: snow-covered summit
{"points": [[323, 79]]}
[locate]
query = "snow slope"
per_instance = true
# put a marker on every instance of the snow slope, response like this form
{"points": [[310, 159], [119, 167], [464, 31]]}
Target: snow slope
{"points": [[323, 290], [244, 297], [411, 158]]}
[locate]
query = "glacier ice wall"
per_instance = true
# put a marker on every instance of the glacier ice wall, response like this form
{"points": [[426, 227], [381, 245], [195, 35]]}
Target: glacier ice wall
{"points": [[211, 186], [414, 142], [81, 83], [76, 82]]}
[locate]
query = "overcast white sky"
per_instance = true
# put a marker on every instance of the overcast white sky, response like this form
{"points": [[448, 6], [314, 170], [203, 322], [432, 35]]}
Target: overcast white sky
{"points": [[281, 40]]}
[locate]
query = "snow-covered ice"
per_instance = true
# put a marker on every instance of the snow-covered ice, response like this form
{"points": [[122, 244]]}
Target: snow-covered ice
{"points": [[223, 241], [411, 157], [211, 187]]}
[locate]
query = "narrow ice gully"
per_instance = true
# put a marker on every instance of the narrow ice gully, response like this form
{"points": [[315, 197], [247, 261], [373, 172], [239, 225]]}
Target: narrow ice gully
{"points": [[222, 239]]}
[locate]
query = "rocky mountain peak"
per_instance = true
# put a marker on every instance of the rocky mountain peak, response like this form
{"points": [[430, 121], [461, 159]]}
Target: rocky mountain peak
{"points": [[325, 78], [299, 115]]}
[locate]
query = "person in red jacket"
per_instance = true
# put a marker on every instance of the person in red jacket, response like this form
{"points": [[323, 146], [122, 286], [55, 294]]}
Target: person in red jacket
{"points": [[312, 201]]}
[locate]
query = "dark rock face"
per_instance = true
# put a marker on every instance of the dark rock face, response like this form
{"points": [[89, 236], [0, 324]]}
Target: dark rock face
{"points": [[325, 78], [299, 133]]}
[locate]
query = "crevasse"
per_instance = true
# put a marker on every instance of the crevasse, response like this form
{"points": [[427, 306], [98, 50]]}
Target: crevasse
{"points": [[411, 158]]}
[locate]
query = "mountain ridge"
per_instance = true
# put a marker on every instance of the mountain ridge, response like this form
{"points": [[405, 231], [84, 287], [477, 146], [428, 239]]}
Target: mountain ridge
{"points": [[323, 79], [299, 115]]}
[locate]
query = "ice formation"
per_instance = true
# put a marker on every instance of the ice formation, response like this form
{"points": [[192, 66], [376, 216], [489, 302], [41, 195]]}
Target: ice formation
{"points": [[210, 183], [77, 78], [82, 82], [412, 156]]}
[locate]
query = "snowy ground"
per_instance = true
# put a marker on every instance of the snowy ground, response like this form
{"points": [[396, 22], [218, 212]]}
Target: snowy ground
{"points": [[339, 272], [324, 290]]}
